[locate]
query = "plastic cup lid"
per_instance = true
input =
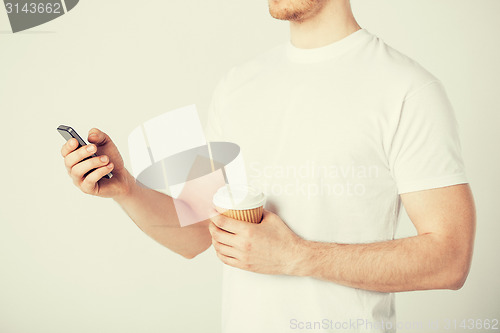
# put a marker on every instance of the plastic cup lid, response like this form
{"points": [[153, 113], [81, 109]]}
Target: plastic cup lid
{"points": [[238, 197]]}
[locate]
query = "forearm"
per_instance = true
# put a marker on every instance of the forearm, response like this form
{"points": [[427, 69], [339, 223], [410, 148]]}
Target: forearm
{"points": [[416, 263], [155, 214]]}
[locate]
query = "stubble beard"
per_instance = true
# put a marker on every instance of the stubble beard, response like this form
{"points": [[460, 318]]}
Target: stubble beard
{"points": [[294, 10]]}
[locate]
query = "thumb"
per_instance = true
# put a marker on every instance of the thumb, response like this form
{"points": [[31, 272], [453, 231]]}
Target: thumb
{"points": [[98, 137]]}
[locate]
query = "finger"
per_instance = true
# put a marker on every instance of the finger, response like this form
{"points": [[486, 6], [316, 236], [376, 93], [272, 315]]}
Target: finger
{"points": [[98, 137], [226, 250], [89, 184], [266, 215], [265, 212], [79, 155], [222, 236], [80, 169], [228, 260], [229, 224], [69, 146]]}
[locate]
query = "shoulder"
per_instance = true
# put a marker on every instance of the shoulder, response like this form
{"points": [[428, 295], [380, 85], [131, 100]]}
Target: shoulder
{"points": [[394, 68]]}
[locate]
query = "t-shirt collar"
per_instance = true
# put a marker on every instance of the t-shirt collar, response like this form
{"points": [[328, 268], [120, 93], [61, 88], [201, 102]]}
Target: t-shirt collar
{"points": [[330, 51]]}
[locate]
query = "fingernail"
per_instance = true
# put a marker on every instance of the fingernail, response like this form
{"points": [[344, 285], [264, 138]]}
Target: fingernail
{"points": [[91, 148], [110, 166], [104, 159]]}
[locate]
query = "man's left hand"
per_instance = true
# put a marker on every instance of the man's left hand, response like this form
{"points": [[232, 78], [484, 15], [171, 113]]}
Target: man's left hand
{"points": [[269, 247]]}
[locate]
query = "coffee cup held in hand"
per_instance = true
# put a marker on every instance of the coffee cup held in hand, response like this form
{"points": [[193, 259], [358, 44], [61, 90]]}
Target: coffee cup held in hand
{"points": [[240, 202]]}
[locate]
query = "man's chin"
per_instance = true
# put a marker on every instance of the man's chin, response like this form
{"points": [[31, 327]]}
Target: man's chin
{"points": [[289, 11], [283, 15], [278, 17]]}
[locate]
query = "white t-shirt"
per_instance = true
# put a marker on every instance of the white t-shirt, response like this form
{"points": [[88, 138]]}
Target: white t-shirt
{"points": [[332, 135]]}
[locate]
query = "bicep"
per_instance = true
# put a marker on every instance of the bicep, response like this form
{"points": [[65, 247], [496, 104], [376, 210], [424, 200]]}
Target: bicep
{"points": [[447, 212]]}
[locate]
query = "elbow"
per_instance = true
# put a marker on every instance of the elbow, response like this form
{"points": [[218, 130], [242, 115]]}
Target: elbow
{"points": [[457, 279], [459, 261], [189, 255], [456, 284], [458, 272], [194, 252], [451, 268]]}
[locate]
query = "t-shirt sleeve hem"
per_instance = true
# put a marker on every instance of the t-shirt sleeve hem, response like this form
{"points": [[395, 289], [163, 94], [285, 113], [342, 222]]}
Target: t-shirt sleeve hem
{"points": [[427, 184]]}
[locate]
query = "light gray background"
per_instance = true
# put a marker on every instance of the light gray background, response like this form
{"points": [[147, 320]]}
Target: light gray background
{"points": [[74, 263]]}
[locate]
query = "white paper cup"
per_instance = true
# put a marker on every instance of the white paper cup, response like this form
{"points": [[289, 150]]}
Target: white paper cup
{"points": [[240, 202]]}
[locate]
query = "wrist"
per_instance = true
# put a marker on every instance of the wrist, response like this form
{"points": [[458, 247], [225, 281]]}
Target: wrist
{"points": [[128, 189], [300, 258]]}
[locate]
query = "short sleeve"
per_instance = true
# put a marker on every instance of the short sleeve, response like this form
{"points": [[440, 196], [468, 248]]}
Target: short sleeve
{"points": [[213, 129], [425, 152]]}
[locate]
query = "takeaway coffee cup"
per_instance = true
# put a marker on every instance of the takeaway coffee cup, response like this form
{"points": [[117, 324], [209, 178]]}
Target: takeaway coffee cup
{"points": [[240, 202]]}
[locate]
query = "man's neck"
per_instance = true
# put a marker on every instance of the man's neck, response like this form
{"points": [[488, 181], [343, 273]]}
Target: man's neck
{"points": [[331, 23]]}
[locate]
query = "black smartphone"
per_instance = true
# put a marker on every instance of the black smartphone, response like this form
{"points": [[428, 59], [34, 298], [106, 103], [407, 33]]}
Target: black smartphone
{"points": [[69, 133]]}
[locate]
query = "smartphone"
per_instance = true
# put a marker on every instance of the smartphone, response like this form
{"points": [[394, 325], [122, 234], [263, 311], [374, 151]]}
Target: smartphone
{"points": [[69, 133]]}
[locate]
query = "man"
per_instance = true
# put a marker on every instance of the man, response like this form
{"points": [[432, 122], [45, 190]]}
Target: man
{"points": [[339, 129]]}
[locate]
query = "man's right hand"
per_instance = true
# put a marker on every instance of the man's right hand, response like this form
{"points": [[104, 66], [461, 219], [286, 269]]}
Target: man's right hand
{"points": [[108, 159], [153, 212]]}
